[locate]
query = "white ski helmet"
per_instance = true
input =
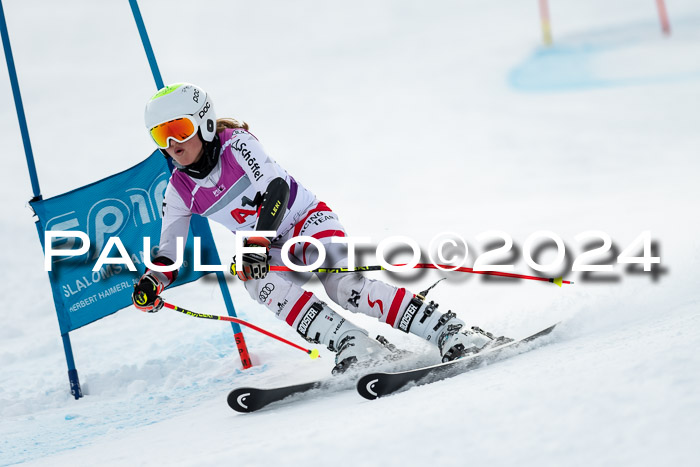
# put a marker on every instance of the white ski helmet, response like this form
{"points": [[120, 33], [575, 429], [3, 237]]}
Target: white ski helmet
{"points": [[182, 100]]}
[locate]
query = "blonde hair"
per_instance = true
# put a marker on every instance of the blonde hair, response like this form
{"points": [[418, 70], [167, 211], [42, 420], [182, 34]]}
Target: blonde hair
{"points": [[223, 123]]}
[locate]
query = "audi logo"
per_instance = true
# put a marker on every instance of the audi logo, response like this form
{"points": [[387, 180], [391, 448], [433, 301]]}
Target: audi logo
{"points": [[266, 291]]}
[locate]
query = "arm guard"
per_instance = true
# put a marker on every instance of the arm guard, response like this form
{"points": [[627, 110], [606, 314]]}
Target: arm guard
{"points": [[166, 278], [273, 206]]}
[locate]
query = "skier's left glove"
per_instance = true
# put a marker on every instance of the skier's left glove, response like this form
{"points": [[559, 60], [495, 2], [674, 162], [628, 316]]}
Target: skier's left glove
{"points": [[253, 265], [146, 296]]}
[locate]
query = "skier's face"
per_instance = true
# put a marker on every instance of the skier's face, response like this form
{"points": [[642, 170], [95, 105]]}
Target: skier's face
{"points": [[186, 153]]}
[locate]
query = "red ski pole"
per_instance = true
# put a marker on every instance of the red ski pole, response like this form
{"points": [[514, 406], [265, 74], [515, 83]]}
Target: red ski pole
{"points": [[313, 353], [555, 280], [663, 16]]}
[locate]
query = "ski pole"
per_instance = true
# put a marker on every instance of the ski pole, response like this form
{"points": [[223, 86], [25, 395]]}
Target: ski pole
{"points": [[313, 353], [555, 280]]}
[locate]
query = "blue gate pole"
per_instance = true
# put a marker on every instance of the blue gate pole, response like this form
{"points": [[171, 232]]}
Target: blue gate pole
{"points": [[199, 226], [72, 372], [146, 43]]}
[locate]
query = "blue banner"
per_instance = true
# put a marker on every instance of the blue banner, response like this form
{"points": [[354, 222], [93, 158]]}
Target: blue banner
{"points": [[126, 205]]}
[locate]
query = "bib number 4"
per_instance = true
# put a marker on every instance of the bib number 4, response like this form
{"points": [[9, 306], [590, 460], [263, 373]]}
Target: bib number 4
{"points": [[240, 214]]}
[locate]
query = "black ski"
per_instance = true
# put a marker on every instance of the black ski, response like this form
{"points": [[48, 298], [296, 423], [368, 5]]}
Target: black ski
{"points": [[252, 399], [378, 384], [249, 399]]}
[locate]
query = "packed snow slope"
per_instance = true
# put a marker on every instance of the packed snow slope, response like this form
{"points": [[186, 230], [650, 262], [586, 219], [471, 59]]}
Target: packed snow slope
{"points": [[407, 118]]}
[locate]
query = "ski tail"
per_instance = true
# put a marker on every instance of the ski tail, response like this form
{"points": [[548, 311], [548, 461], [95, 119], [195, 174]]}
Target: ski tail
{"points": [[374, 385]]}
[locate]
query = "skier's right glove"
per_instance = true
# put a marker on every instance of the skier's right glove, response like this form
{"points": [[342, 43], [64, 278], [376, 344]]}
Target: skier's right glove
{"points": [[254, 265], [146, 296]]}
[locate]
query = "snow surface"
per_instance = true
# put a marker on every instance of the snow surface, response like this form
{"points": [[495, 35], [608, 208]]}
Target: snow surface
{"points": [[407, 118]]}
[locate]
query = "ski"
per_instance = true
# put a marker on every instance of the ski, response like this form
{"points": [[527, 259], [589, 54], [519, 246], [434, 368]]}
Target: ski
{"points": [[251, 399], [248, 399], [378, 384]]}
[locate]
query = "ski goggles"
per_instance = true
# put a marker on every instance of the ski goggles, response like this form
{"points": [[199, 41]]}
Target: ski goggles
{"points": [[180, 129]]}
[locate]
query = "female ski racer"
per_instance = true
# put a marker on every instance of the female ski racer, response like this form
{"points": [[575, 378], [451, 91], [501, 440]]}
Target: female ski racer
{"points": [[222, 172]]}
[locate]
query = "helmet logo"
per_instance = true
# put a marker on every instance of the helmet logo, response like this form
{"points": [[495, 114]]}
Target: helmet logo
{"points": [[195, 97], [204, 110], [210, 125]]}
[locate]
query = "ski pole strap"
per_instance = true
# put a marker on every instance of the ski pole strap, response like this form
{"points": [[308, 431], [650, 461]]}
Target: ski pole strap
{"points": [[313, 353]]}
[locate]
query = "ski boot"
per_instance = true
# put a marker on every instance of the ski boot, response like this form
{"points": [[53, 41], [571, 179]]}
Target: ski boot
{"points": [[352, 345], [446, 331]]}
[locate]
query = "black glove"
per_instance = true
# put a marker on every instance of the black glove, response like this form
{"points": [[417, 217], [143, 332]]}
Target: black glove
{"points": [[146, 296], [253, 265]]}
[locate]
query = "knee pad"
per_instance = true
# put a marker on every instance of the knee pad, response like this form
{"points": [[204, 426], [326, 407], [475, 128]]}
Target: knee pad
{"points": [[343, 288]]}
